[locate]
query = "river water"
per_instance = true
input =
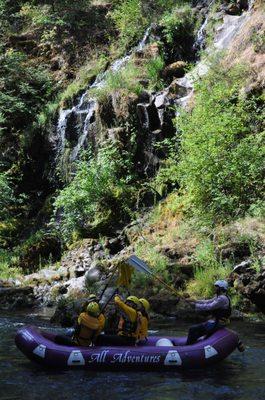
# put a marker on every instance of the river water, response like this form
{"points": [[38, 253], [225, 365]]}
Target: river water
{"points": [[241, 376]]}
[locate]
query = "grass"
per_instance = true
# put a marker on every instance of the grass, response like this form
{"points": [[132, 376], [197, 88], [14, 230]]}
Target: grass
{"points": [[8, 258], [157, 263], [126, 79], [153, 67], [85, 75], [203, 283]]}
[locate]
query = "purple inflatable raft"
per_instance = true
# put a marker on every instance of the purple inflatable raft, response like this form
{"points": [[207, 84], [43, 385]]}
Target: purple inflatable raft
{"points": [[155, 353]]}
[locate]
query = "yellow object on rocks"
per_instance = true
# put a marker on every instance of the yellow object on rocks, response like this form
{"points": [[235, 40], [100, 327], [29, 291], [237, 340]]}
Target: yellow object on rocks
{"points": [[125, 275]]}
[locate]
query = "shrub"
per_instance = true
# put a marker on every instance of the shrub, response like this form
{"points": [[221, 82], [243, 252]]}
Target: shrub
{"points": [[99, 194], [25, 89], [178, 31], [221, 167], [7, 196], [203, 283], [9, 204], [84, 77], [156, 261], [129, 21]]}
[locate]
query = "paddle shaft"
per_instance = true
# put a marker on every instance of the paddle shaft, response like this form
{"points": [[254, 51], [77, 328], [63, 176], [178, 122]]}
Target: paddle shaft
{"points": [[107, 284], [140, 264], [166, 285], [109, 300]]}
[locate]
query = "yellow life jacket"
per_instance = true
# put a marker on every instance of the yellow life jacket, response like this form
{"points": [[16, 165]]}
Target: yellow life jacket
{"points": [[127, 327], [143, 330], [88, 328]]}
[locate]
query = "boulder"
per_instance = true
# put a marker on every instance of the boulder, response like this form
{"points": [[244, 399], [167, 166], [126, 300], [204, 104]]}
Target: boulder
{"points": [[233, 9], [179, 88], [161, 100], [250, 283], [114, 245], [117, 135], [152, 50], [176, 70], [93, 275], [16, 297], [241, 268]]}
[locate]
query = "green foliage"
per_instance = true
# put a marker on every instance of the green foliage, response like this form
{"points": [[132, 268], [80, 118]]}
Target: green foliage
{"points": [[9, 203], [258, 40], [178, 24], [53, 12], [208, 269], [156, 261], [167, 177], [221, 167], [125, 79], [7, 259], [203, 283], [25, 89], [7, 196], [154, 67], [129, 21], [100, 193], [84, 77], [48, 113]]}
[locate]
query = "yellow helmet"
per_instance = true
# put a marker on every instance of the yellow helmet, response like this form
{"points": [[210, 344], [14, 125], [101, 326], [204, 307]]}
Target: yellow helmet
{"points": [[91, 297], [93, 309], [145, 303], [134, 300]]}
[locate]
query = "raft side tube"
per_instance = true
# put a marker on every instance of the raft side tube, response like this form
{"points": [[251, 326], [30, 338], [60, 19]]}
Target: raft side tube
{"points": [[39, 347]]}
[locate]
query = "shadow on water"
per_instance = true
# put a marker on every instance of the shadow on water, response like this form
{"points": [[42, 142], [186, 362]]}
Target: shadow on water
{"points": [[241, 376]]}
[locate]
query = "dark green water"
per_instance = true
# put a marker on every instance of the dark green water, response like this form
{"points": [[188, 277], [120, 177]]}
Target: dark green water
{"points": [[239, 377]]}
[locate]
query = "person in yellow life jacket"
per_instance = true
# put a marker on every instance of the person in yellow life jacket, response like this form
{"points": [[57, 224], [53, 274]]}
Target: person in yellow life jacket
{"points": [[129, 324], [89, 325], [91, 298], [145, 308]]}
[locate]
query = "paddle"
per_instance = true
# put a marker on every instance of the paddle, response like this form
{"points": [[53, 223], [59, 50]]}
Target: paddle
{"points": [[109, 300], [141, 266], [108, 282]]}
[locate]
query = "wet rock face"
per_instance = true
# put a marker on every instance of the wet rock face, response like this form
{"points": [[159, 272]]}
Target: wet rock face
{"points": [[16, 297], [47, 248], [250, 283]]}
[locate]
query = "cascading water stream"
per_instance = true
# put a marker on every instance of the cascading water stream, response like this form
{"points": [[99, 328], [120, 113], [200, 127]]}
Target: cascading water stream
{"points": [[224, 36], [83, 113]]}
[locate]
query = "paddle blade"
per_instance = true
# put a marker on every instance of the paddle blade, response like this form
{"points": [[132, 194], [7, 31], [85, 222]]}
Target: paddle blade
{"points": [[139, 264], [125, 275]]}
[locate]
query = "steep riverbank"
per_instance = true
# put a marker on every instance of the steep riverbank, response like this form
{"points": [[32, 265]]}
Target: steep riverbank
{"points": [[121, 149]]}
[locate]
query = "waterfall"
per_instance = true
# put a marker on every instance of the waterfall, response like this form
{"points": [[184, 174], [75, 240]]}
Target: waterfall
{"points": [[201, 34], [251, 3], [81, 115], [224, 36], [200, 38]]}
